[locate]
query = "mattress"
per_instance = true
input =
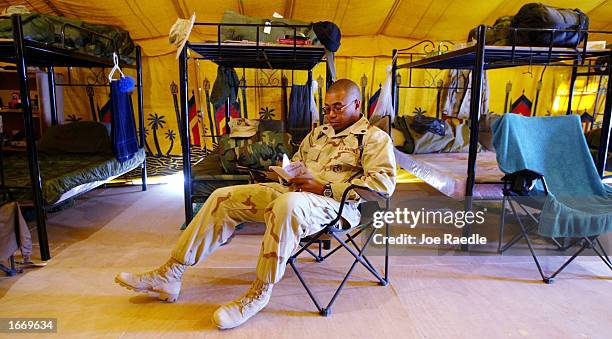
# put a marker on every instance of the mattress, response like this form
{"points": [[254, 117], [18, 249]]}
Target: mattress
{"points": [[66, 175], [447, 172], [47, 29]]}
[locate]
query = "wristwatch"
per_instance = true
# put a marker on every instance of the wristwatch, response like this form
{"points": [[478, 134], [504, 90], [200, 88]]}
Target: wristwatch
{"points": [[327, 192]]}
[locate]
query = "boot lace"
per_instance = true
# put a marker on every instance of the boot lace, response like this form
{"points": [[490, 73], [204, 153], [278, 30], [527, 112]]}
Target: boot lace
{"points": [[255, 292]]}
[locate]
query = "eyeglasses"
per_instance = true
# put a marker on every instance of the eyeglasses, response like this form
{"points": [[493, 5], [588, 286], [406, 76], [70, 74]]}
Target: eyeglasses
{"points": [[336, 108]]}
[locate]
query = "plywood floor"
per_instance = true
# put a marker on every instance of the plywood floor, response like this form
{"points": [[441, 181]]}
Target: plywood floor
{"points": [[120, 229]]}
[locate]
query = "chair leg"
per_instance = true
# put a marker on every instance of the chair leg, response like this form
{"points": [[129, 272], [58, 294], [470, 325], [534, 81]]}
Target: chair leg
{"points": [[350, 239], [502, 224], [291, 262], [603, 251], [602, 255], [359, 256], [517, 237], [316, 257], [340, 246], [524, 232], [584, 246], [387, 230], [548, 279]]}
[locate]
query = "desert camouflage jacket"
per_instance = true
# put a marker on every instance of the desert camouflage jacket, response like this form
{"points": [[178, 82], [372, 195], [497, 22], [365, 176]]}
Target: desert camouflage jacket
{"points": [[336, 159]]}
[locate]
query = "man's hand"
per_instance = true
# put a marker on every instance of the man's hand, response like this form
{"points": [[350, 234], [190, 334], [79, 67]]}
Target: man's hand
{"points": [[307, 185]]}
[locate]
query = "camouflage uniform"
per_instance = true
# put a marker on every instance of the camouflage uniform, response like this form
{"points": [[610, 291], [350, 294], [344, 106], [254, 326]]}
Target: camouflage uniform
{"points": [[332, 158]]}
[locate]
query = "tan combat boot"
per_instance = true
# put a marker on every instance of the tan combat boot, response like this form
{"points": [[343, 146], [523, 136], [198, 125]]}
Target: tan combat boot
{"points": [[164, 282], [240, 310]]}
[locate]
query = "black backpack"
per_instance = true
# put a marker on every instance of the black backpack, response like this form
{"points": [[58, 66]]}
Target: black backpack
{"points": [[538, 15]]}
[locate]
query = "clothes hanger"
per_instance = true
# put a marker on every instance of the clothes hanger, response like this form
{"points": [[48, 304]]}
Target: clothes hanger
{"points": [[115, 68]]}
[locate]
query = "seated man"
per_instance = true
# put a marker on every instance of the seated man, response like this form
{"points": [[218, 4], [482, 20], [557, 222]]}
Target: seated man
{"points": [[346, 150]]}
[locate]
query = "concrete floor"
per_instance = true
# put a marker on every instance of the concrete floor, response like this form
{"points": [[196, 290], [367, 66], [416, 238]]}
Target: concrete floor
{"points": [[449, 296]]}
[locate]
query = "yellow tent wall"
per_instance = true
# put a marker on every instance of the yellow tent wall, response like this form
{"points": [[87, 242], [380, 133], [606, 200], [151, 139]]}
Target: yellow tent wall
{"points": [[371, 29]]}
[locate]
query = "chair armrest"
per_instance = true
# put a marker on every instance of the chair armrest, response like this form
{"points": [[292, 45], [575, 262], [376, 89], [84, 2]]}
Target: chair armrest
{"points": [[345, 197], [522, 182]]}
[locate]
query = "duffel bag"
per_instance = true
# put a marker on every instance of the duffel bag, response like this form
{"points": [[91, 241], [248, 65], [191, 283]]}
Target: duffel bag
{"points": [[538, 15]]}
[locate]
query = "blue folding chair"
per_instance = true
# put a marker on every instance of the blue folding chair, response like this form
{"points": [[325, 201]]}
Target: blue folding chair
{"points": [[549, 169]]}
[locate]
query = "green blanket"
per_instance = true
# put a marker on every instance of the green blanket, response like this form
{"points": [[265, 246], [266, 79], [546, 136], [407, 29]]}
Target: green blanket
{"points": [[46, 29], [62, 172]]}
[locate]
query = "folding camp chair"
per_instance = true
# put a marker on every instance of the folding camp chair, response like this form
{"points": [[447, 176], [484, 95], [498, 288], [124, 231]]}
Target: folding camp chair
{"points": [[335, 231], [530, 191]]}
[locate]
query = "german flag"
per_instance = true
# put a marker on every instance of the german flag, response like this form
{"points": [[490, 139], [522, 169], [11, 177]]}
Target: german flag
{"points": [[220, 117], [194, 123]]}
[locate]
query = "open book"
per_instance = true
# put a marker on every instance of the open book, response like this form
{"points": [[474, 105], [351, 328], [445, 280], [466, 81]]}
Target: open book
{"points": [[289, 170]]}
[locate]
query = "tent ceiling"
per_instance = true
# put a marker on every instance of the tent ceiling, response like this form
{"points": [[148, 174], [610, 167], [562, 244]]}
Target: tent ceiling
{"points": [[413, 19]]}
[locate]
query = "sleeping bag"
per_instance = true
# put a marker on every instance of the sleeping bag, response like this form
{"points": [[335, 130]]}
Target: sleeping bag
{"points": [[538, 15]]}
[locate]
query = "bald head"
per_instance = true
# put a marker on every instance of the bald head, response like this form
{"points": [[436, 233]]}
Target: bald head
{"points": [[346, 87], [342, 104]]}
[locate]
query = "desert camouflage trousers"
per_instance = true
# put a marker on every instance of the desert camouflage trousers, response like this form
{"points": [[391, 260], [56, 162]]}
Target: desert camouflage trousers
{"points": [[288, 216]]}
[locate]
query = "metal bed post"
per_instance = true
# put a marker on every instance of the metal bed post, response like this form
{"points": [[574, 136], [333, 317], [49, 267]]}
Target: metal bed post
{"points": [[394, 94], [570, 97], [393, 82], [475, 103], [52, 95], [141, 124], [309, 91], [327, 83], [183, 81], [26, 105], [602, 152]]}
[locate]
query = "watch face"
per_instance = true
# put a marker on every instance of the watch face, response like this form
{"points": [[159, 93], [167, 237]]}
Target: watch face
{"points": [[327, 192]]}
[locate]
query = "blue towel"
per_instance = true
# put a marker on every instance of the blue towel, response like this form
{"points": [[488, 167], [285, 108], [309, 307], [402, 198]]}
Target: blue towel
{"points": [[578, 204], [123, 126]]}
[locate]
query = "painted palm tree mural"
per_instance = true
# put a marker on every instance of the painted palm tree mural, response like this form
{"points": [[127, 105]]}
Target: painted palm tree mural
{"points": [[170, 136], [266, 113], [73, 118], [419, 111], [146, 133], [156, 122]]}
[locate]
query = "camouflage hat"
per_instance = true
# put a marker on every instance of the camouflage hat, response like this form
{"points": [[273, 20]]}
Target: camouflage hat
{"points": [[243, 128]]}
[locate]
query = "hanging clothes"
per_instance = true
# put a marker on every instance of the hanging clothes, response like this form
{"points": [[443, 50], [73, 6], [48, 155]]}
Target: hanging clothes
{"points": [[457, 92], [14, 232], [123, 126], [300, 117], [226, 85]]}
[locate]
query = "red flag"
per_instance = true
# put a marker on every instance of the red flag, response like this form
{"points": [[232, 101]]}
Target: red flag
{"points": [[194, 121], [220, 117], [522, 106]]}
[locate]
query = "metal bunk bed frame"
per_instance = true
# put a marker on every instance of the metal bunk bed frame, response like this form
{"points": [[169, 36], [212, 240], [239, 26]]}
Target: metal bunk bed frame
{"points": [[480, 57], [23, 52], [254, 56]]}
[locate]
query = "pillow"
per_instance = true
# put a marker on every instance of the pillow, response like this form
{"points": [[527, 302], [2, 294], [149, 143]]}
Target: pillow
{"points": [[258, 152], [398, 137], [427, 142], [461, 140], [76, 137]]}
